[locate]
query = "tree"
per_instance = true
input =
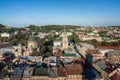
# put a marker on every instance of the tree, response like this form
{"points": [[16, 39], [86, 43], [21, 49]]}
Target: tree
{"points": [[35, 53], [47, 43], [43, 50], [75, 37], [51, 37]]}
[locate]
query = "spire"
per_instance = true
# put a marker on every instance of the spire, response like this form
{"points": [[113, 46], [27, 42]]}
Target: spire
{"points": [[33, 34], [64, 33], [65, 40]]}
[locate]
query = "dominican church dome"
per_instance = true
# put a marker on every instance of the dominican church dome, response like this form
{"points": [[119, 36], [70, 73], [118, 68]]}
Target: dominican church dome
{"points": [[32, 42]]}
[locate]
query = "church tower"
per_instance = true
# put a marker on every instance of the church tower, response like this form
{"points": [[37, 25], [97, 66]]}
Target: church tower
{"points": [[65, 40], [32, 45], [20, 49]]}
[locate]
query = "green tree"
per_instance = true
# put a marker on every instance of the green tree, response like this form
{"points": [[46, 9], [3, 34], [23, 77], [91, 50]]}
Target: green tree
{"points": [[75, 37]]}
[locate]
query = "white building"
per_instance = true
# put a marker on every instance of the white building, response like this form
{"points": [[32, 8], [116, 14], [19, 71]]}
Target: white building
{"points": [[42, 35], [67, 34], [92, 34], [91, 37], [6, 34], [57, 43], [105, 49]]}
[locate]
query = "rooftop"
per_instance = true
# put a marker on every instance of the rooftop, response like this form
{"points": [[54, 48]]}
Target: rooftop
{"points": [[40, 72], [109, 47], [61, 72], [92, 51], [74, 69], [5, 44], [116, 76], [69, 55]]}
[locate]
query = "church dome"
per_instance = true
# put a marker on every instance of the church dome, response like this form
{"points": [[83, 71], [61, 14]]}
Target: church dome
{"points": [[32, 39], [32, 43]]}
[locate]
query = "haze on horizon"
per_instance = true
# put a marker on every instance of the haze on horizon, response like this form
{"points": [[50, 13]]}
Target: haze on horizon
{"points": [[21, 13]]}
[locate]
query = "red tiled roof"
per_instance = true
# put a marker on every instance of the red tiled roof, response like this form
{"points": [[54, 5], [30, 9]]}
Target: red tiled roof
{"points": [[108, 47], [61, 72], [74, 69], [92, 51], [80, 60], [3, 45], [58, 52], [116, 76]]}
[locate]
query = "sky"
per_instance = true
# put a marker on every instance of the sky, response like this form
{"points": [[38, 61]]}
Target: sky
{"points": [[20, 13]]}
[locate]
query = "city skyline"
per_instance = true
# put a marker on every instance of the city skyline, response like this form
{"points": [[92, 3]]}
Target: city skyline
{"points": [[20, 13]]}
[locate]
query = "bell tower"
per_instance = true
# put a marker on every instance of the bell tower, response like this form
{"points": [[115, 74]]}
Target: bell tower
{"points": [[65, 40], [20, 49]]}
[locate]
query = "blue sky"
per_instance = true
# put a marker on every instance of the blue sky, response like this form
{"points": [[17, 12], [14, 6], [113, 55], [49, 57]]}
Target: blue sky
{"points": [[20, 13]]}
